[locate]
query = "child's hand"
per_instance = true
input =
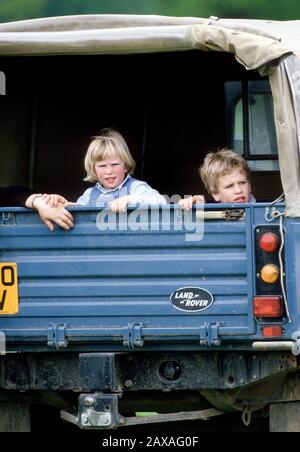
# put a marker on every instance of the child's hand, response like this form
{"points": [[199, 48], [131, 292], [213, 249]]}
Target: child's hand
{"points": [[52, 215], [54, 200], [187, 203], [120, 204]]}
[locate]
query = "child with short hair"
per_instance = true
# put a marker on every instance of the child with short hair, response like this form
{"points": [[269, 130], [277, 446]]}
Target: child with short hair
{"points": [[226, 177], [108, 162]]}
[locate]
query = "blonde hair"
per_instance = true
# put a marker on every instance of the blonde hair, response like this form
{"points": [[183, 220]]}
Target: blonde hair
{"points": [[109, 142], [221, 163]]}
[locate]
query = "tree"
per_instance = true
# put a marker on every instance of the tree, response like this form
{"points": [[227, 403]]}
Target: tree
{"points": [[21, 9], [260, 9]]}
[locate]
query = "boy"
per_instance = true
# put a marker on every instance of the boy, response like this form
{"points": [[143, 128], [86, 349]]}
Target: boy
{"points": [[226, 176]]}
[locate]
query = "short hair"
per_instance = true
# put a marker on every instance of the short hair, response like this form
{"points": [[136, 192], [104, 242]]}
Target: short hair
{"points": [[218, 164], [109, 142]]}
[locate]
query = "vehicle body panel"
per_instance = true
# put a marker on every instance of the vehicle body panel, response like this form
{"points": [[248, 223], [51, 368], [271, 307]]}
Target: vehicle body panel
{"points": [[114, 307]]}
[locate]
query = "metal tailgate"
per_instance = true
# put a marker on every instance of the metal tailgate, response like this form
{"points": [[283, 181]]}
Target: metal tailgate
{"points": [[116, 288]]}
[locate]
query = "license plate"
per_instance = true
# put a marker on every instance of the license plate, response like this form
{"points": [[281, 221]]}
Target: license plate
{"points": [[9, 299]]}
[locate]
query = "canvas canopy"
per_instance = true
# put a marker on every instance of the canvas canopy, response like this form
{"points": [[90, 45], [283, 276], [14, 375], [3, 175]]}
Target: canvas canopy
{"points": [[272, 48]]}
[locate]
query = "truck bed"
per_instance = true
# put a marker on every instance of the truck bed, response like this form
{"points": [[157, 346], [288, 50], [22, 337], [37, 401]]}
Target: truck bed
{"points": [[90, 289]]}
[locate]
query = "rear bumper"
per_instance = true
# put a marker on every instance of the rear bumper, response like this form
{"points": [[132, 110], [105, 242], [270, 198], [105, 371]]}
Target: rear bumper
{"points": [[137, 371]]}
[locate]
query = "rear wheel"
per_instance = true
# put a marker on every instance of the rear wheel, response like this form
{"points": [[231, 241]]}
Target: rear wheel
{"points": [[14, 417], [285, 417]]}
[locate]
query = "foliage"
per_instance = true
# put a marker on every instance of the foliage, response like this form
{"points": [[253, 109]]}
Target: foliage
{"points": [[268, 9], [21, 9]]}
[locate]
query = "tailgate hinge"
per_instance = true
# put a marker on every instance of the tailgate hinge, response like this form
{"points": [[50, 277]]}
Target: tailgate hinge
{"points": [[132, 335], [57, 335], [209, 334]]}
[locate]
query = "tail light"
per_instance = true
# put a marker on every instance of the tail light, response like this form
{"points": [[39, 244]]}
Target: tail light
{"points": [[267, 306], [268, 298], [269, 273], [269, 242], [268, 270], [272, 331]]}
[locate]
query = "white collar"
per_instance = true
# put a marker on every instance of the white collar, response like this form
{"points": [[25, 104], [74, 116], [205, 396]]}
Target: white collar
{"points": [[109, 190]]}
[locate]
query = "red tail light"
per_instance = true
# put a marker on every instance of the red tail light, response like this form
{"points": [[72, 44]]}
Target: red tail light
{"points": [[269, 242], [267, 306], [272, 331]]}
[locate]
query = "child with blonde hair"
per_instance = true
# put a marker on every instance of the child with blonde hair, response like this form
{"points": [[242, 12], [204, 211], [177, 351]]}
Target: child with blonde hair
{"points": [[108, 162], [226, 177]]}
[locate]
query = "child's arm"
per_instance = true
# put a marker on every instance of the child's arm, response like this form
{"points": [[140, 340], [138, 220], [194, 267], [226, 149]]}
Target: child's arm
{"points": [[187, 203], [140, 193], [55, 200], [120, 204], [51, 215]]}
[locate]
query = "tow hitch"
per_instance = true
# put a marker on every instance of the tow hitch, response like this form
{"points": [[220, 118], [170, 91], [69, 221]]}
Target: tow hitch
{"points": [[100, 411]]}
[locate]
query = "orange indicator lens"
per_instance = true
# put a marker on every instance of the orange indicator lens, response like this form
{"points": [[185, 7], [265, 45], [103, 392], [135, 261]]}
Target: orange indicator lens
{"points": [[269, 273]]}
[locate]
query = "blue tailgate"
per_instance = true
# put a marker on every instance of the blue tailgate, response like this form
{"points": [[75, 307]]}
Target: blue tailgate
{"points": [[112, 288]]}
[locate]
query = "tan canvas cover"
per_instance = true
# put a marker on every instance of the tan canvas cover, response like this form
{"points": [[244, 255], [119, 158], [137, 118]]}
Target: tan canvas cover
{"points": [[272, 48]]}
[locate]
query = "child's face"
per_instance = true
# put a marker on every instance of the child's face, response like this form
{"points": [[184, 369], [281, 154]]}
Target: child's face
{"points": [[110, 172], [233, 187]]}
